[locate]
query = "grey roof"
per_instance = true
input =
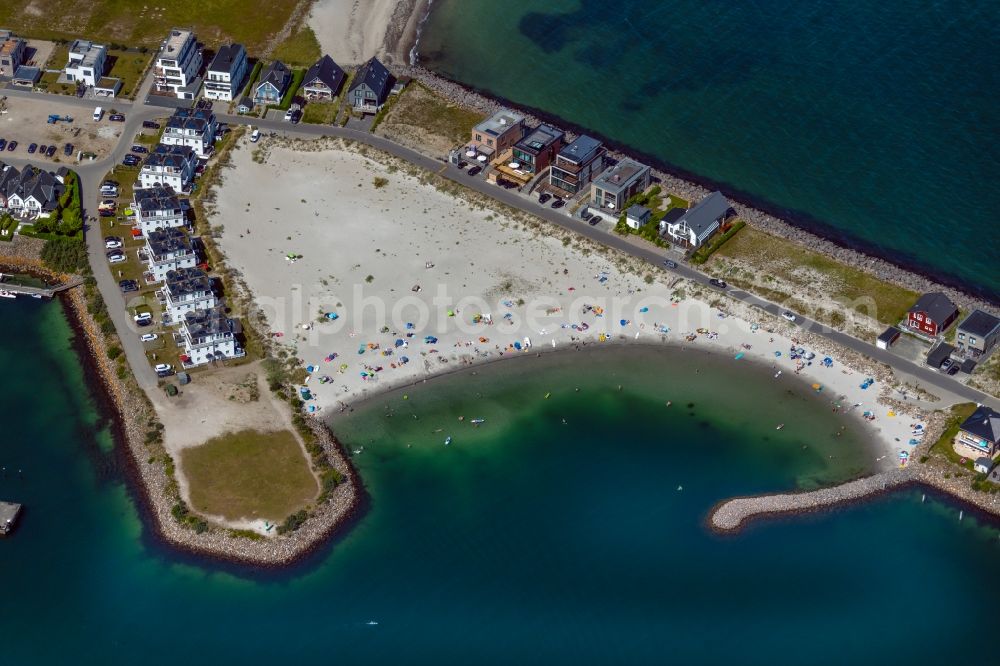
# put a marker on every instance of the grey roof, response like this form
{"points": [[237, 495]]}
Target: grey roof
{"points": [[500, 122], [374, 75], [226, 57], [540, 138], [160, 197], [30, 73], [208, 323], [277, 74], [705, 213], [637, 211], [980, 323], [619, 176], [327, 72], [890, 334], [582, 149], [187, 281], [968, 365], [31, 181], [983, 423], [936, 356], [935, 305], [172, 156], [168, 241], [191, 119]]}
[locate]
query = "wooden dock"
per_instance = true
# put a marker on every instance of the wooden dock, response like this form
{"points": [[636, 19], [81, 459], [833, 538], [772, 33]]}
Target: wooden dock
{"points": [[44, 292], [8, 516]]}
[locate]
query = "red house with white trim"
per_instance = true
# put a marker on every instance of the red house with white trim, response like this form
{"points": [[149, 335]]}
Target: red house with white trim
{"points": [[932, 314]]}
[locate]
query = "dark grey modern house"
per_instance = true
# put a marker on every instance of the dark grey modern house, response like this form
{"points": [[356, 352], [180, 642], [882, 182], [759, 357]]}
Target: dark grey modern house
{"points": [[978, 334], [371, 87]]}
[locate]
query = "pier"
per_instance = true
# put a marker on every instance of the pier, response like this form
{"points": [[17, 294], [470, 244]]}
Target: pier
{"points": [[44, 292], [8, 516]]}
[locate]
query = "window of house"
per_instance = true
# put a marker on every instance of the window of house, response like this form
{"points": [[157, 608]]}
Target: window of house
{"points": [[489, 142], [972, 340]]}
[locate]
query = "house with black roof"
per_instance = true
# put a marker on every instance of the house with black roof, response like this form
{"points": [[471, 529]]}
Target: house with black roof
{"points": [[195, 128], [323, 80], [273, 84], [158, 208], [226, 73], [577, 164], [168, 250], [173, 166], [30, 191], [980, 433], [696, 225], [209, 335], [370, 87], [186, 290], [977, 335], [932, 314]]}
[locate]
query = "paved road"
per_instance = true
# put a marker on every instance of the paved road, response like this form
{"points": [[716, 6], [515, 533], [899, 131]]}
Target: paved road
{"points": [[91, 175]]}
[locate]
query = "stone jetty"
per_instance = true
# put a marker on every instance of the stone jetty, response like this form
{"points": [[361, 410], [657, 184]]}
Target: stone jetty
{"points": [[731, 514]]}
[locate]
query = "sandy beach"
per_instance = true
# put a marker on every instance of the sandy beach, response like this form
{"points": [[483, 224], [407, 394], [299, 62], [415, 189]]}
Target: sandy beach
{"points": [[352, 31], [377, 279]]}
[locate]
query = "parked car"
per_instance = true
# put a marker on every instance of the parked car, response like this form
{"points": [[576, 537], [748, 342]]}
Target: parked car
{"points": [[670, 264], [149, 124], [32, 148], [163, 367], [586, 217], [255, 136], [462, 164], [107, 212], [109, 191], [596, 220], [148, 337], [42, 148], [12, 145], [136, 148], [3, 143], [788, 315], [947, 363], [68, 149], [164, 373], [474, 171], [128, 286], [558, 203], [953, 370], [721, 284], [543, 197], [112, 242], [116, 258], [50, 151], [116, 117], [143, 319], [130, 160]]}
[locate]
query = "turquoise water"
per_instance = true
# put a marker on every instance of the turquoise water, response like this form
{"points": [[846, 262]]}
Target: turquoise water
{"points": [[528, 540], [871, 122]]}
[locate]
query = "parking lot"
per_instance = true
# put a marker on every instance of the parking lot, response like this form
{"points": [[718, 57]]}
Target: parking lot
{"points": [[25, 121]]}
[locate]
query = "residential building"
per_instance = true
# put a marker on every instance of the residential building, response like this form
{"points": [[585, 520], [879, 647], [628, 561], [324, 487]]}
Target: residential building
{"points": [[370, 87], [173, 166], [168, 250], [209, 336], [888, 337], [323, 80], [637, 216], [978, 334], [194, 128], [619, 183], [158, 208], [495, 135], [273, 83], [226, 73], [30, 191], [980, 433], [12, 53], [530, 156], [86, 62], [696, 225], [177, 65], [577, 164], [26, 77], [186, 290], [932, 314]]}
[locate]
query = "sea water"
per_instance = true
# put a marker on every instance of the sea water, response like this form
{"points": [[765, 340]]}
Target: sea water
{"points": [[562, 529]]}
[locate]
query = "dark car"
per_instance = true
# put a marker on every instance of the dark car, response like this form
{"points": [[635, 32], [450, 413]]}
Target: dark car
{"points": [[3, 143], [68, 149], [41, 149], [670, 264], [12, 145], [149, 124], [721, 284], [947, 363], [117, 117], [130, 160], [128, 286], [953, 370], [138, 149], [164, 373], [50, 151], [597, 219], [558, 203], [542, 198], [461, 164], [32, 148], [474, 170]]}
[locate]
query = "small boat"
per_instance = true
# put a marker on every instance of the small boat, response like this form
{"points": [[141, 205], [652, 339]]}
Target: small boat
{"points": [[447, 440], [7, 294], [371, 623], [780, 426], [478, 421], [777, 374]]}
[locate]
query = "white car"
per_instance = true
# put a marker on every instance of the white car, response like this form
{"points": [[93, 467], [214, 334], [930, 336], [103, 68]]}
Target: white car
{"points": [[255, 136], [163, 367], [112, 244], [117, 259], [109, 191], [788, 315], [147, 337], [143, 317]]}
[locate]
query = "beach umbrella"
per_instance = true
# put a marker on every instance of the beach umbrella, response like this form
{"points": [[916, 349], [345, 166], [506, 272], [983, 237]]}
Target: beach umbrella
{"points": [[643, 309], [399, 342], [481, 158], [332, 315], [470, 153]]}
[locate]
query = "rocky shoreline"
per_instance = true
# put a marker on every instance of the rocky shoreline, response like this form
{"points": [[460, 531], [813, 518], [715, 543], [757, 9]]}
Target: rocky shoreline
{"points": [[686, 186]]}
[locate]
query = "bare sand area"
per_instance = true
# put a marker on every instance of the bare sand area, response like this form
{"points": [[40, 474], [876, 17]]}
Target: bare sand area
{"points": [[422, 280], [24, 120], [352, 31]]}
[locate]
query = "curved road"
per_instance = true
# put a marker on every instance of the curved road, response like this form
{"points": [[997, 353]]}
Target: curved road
{"points": [[92, 173]]}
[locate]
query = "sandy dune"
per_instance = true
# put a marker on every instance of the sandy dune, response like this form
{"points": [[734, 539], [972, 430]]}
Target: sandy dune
{"points": [[351, 31]]}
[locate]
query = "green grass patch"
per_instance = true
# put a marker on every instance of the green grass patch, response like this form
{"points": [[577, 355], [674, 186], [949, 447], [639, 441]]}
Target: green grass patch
{"points": [[126, 22], [254, 75], [249, 474], [319, 113], [702, 254], [301, 48], [129, 67], [943, 445], [849, 286], [424, 109]]}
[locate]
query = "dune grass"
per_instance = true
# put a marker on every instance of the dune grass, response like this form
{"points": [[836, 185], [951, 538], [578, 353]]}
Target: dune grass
{"points": [[249, 475], [300, 49]]}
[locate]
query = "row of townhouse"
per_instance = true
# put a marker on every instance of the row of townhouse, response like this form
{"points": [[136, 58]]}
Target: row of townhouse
{"points": [[189, 300], [168, 165], [30, 191], [367, 93]]}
